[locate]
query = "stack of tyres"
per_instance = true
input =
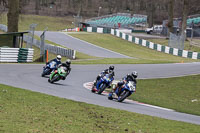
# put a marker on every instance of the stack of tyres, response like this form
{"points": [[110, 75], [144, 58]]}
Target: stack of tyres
{"points": [[23, 54]]}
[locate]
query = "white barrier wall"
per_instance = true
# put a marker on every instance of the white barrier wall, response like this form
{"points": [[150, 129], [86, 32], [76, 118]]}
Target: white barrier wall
{"points": [[99, 30]]}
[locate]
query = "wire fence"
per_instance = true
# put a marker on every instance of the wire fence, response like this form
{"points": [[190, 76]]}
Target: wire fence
{"points": [[176, 41]]}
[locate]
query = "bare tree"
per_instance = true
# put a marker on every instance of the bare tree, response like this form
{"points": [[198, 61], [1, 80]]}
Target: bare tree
{"points": [[170, 15], [13, 15], [37, 6], [151, 12], [184, 16]]}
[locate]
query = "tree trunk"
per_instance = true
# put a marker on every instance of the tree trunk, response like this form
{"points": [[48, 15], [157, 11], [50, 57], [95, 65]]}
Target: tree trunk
{"points": [[184, 17], [13, 15], [151, 11], [171, 15], [37, 6]]}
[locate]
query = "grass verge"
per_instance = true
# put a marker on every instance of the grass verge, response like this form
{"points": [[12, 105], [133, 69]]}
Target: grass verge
{"points": [[25, 111], [181, 93], [119, 45], [53, 23]]}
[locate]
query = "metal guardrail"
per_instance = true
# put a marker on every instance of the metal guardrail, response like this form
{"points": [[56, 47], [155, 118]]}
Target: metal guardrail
{"points": [[52, 48]]}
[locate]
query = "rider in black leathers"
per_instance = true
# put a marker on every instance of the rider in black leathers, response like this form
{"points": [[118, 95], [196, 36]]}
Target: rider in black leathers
{"points": [[67, 66], [103, 73]]}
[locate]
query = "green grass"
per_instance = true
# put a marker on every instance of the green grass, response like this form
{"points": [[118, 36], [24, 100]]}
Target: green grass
{"points": [[187, 44], [53, 23], [174, 93], [143, 54], [25, 111]]}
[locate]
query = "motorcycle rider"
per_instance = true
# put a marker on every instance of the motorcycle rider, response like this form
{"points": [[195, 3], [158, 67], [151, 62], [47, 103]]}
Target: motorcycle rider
{"points": [[66, 65], [57, 60], [127, 78], [110, 70]]}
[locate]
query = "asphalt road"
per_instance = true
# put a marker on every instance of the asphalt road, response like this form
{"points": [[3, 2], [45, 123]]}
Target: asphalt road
{"points": [[28, 77], [79, 45]]}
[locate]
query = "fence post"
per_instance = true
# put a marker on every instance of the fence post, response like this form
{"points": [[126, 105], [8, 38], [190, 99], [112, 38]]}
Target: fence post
{"points": [[31, 34], [42, 50]]}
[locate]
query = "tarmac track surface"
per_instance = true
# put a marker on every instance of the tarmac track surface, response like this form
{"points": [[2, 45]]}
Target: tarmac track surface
{"points": [[79, 45], [27, 76]]}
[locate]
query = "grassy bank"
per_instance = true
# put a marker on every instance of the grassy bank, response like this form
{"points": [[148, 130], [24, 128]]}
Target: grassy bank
{"points": [[25, 111], [181, 94], [142, 54], [53, 23]]}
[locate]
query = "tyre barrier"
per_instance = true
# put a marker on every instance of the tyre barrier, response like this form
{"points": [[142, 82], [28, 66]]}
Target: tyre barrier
{"points": [[20, 55]]}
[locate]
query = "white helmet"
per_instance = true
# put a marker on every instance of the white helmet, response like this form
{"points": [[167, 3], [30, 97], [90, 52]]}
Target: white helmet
{"points": [[134, 74], [59, 57]]}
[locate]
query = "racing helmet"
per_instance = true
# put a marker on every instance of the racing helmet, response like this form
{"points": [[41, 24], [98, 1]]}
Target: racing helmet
{"points": [[68, 62], [134, 74], [58, 57], [111, 68]]}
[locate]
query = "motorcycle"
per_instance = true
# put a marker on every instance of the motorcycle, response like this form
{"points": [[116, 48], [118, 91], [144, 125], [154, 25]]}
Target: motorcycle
{"points": [[103, 83], [125, 91], [48, 68], [59, 74]]}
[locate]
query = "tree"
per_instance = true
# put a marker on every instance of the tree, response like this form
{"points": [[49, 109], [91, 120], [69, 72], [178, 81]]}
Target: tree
{"points": [[151, 12], [13, 15], [184, 16], [170, 15]]}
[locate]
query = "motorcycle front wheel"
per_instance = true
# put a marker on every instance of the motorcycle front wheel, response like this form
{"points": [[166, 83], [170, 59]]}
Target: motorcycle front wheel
{"points": [[101, 88], [54, 78], [123, 96], [45, 72]]}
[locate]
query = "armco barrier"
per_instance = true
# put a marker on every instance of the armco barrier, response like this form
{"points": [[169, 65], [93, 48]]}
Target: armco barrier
{"points": [[16, 55]]}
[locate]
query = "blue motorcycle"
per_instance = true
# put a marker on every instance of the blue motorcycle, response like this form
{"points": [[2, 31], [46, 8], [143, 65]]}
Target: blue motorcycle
{"points": [[103, 83], [126, 90], [49, 68]]}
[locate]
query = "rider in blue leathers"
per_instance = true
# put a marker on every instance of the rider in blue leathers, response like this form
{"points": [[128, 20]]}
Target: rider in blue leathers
{"points": [[103, 73], [57, 60], [127, 78]]}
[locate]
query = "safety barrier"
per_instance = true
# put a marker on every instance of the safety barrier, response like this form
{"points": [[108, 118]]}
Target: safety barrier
{"points": [[157, 47], [16, 55], [71, 30], [52, 48], [97, 29]]}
